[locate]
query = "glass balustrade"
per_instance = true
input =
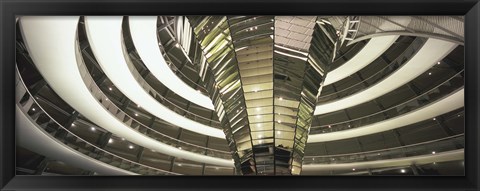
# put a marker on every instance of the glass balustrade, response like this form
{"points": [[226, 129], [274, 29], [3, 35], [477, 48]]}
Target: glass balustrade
{"points": [[402, 59], [129, 121], [199, 87], [31, 108], [161, 99], [348, 54], [444, 89], [425, 148]]}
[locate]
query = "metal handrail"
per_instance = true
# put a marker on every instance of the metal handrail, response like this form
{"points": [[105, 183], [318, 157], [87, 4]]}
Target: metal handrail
{"points": [[183, 76], [21, 87], [162, 98], [407, 53], [388, 149], [330, 126], [401, 151], [117, 112]]}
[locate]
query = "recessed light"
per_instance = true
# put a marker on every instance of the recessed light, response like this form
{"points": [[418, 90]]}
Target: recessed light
{"points": [[110, 141], [280, 98], [179, 164], [136, 114], [33, 109], [73, 124], [258, 109], [438, 62], [433, 152], [130, 147], [353, 169], [92, 128], [403, 171], [177, 45], [279, 121], [429, 73], [110, 89], [434, 119]]}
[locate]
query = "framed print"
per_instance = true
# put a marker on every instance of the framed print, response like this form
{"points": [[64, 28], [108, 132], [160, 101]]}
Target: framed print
{"points": [[278, 95]]}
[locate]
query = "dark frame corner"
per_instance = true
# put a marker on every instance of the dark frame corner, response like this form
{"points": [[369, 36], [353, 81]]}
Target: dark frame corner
{"points": [[10, 8]]}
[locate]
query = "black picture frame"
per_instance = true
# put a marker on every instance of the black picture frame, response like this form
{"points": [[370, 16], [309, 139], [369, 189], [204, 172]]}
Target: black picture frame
{"points": [[10, 8]]}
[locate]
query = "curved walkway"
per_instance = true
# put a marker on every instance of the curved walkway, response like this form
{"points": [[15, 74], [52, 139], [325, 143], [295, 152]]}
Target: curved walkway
{"points": [[105, 38], [432, 51], [447, 104], [143, 30], [371, 51], [51, 42]]}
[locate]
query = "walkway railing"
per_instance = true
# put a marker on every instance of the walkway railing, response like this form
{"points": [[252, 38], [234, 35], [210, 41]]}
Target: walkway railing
{"points": [[31, 108], [373, 79], [449, 86], [429, 147], [130, 121]]}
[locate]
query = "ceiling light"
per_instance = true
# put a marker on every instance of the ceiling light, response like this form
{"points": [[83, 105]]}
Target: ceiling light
{"points": [[180, 148], [255, 28], [438, 62], [106, 99], [434, 162], [73, 124], [429, 73], [136, 114], [177, 45], [279, 132], [33, 109], [255, 90], [110, 89], [279, 121], [280, 98], [92, 128], [123, 139], [138, 105], [258, 116], [353, 169], [434, 119], [130, 147], [272, 28], [403, 171], [216, 168], [110, 141], [433, 152], [313, 158], [258, 109], [179, 164]]}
